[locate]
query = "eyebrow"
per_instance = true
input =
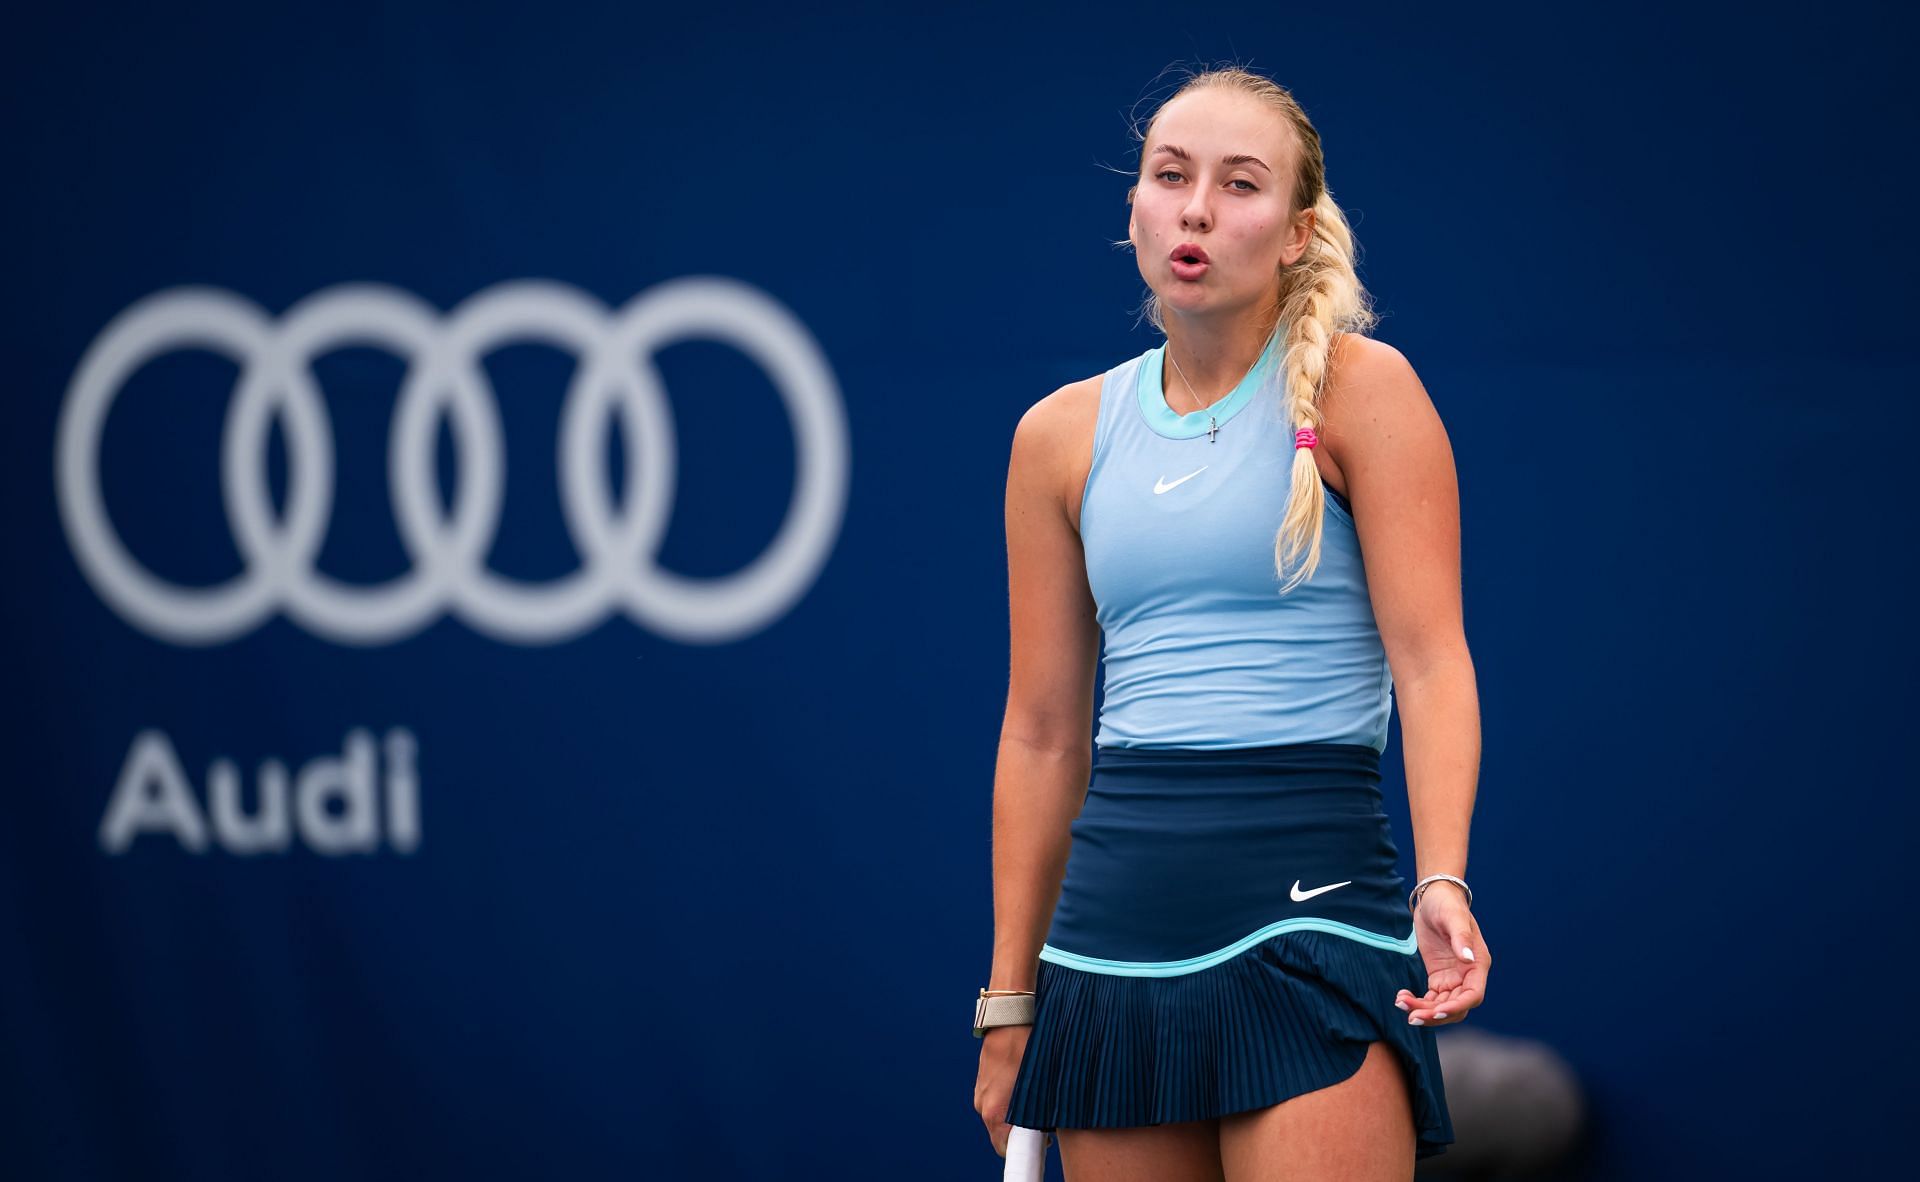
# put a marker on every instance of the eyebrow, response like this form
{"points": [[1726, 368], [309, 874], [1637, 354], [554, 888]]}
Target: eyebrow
{"points": [[1239, 159]]}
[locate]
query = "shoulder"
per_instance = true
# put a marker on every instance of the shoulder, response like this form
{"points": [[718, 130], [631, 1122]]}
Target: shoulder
{"points": [[1378, 415], [1060, 413], [1367, 370], [1372, 393], [1057, 431]]}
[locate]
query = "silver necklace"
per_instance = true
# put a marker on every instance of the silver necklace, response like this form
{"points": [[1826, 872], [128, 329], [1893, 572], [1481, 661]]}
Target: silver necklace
{"points": [[1213, 421]]}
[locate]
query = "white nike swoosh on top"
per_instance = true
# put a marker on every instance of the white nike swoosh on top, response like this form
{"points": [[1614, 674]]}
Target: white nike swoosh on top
{"points": [[1300, 895], [1162, 485]]}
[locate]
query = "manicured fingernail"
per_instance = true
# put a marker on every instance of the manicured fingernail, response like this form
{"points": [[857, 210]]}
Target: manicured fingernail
{"points": [[1417, 1021], [1466, 953], [1440, 1015], [1401, 1005]]}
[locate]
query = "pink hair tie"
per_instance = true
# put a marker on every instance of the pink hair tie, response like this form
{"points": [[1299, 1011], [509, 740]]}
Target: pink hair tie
{"points": [[1304, 437]]}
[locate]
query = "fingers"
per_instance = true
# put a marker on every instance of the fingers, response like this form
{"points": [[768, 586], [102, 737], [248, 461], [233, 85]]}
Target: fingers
{"points": [[1449, 996], [1437, 1008], [1450, 1007], [1456, 981]]}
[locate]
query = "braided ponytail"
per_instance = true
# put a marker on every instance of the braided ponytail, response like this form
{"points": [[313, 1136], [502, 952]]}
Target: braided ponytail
{"points": [[1321, 296]]}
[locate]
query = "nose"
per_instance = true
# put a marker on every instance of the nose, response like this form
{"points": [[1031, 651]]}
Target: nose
{"points": [[1197, 215]]}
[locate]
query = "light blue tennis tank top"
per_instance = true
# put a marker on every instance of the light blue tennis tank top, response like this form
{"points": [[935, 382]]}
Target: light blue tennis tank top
{"points": [[1201, 648]]}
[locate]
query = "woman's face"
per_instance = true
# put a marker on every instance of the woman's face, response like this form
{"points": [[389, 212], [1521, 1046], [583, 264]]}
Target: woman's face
{"points": [[1217, 175]]}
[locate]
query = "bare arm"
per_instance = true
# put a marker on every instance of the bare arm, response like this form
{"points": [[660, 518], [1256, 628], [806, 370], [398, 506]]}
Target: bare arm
{"points": [[1040, 776], [1400, 475]]}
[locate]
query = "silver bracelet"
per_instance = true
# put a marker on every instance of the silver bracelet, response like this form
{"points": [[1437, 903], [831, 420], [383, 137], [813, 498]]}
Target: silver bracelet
{"points": [[1413, 896]]}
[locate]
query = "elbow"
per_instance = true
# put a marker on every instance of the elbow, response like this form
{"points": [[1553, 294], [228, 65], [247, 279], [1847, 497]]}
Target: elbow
{"points": [[1411, 671], [1049, 732]]}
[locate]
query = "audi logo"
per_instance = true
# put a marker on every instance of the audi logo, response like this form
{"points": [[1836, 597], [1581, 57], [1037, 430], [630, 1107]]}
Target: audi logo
{"points": [[618, 544]]}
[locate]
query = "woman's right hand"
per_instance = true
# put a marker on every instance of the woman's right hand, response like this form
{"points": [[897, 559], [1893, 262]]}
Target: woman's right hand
{"points": [[1001, 1050]]}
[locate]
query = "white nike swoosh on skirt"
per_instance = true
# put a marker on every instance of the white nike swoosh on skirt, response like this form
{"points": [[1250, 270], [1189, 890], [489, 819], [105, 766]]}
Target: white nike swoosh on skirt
{"points": [[1300, 895]]}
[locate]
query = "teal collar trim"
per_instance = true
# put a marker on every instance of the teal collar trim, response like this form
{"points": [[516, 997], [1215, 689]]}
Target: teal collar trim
{"points": [[1161, 417], [1193, 964]]}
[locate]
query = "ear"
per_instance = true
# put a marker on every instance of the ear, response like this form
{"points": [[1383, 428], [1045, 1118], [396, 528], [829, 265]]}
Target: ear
{"points": [[1306, 220]]}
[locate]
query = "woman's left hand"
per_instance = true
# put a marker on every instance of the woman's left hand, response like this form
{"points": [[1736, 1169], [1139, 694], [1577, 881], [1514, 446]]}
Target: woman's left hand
{"points": [[1457, 958]]}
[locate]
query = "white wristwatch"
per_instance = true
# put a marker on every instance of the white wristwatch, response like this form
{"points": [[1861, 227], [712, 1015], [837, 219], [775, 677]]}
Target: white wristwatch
{"points": [[1001, 1007]]}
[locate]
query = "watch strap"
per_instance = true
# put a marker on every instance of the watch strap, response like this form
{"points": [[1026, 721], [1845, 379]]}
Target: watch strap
{"points": [[1001, 1010]]}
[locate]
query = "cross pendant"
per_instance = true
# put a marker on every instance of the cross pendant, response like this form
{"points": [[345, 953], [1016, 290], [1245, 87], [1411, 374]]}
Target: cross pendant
{"points": [[1213, 429]]}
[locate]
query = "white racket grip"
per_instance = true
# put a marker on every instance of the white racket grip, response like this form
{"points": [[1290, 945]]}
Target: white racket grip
{"points": [[1026, 1155]]}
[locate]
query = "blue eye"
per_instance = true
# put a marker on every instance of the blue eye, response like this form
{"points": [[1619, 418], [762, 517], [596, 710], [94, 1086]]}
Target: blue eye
{"points": [[1250, 186]]}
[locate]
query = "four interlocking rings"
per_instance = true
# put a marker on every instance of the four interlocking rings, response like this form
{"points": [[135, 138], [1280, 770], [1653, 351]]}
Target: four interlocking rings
{"points": [[618, 544]]}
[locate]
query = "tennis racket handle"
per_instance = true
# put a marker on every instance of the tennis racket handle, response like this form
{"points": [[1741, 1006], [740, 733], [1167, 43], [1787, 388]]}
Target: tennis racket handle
{"points": [[1026, 1155]]}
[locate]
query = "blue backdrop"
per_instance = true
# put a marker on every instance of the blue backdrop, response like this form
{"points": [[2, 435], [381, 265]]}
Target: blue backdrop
{"points": [[508, 604]]}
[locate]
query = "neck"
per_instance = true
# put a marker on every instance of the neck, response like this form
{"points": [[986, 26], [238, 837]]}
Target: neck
{"points": [[1213, 357]]}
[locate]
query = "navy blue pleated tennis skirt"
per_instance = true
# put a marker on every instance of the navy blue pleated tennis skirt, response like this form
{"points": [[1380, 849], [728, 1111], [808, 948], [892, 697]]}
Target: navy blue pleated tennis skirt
{"points": [[1231, 932]]}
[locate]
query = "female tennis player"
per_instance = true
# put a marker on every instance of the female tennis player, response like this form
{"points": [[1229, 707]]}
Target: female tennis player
{"points": [[1205, 964]]}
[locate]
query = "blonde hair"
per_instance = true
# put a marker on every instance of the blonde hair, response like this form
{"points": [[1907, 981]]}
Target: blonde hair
{"points": [[1318, 296]]}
